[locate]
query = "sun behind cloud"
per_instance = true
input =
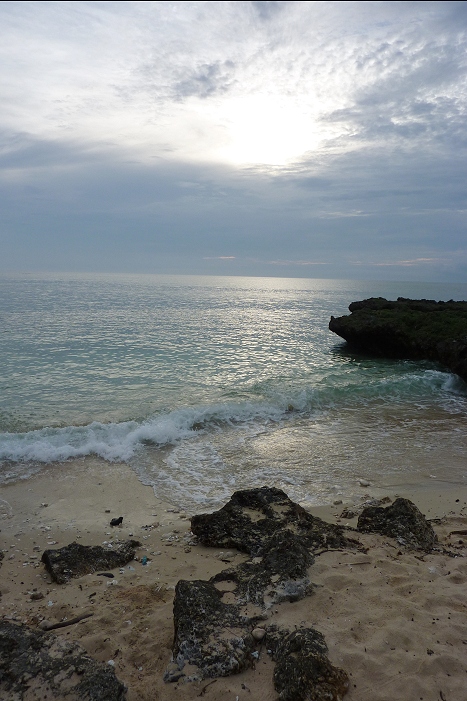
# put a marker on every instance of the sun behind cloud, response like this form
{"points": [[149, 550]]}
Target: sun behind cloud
{"points": [[265, 129]]}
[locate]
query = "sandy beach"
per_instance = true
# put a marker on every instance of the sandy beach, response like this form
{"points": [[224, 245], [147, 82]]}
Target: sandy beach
{"points": [[395, 620]]}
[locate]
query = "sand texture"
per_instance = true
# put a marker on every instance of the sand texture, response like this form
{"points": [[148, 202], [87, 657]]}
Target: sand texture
{"points": [[394, 619]]}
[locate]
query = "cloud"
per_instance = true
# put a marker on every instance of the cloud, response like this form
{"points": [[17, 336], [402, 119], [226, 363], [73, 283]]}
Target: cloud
{"points": [[271, 136], [205, 80]]}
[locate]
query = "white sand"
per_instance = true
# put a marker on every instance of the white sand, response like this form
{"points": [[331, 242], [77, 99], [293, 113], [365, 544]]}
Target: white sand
{"points": [[395, 620]]}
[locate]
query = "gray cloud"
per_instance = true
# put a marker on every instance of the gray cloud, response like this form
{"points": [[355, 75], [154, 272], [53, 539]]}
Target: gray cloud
{"points": [[115, 116], [205, 81]]}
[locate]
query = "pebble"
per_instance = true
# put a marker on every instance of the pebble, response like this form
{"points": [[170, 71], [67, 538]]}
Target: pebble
{"points": [[258, 633], [227, 556]]}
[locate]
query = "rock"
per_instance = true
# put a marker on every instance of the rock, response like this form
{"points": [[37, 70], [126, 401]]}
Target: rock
{"points": [[348, 514], [355, 511], [76, 560], [211, 637], [34, 664], [252, 516], [402, 520], [258, 634], [280, 575], [407, 328], [214, 636], [218, 638], [303, 671]]}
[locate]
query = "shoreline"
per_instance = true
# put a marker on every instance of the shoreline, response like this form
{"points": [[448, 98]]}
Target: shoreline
{"points": [[380, 614]]}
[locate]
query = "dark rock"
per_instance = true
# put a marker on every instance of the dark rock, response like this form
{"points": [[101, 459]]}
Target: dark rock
{"points": [[214, 637], [406, 328], [211, 638], [34, 665], [252, 516], [76, 560], [402, 520], [281, 574], [117, 521], [303, 671]]}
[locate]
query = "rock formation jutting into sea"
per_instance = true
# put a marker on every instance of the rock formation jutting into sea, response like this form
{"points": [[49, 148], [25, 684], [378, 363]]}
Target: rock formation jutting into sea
{"points": [[414, 329]]}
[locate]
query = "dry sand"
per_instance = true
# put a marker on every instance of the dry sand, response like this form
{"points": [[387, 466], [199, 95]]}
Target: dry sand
{"points": [[395, 620]]}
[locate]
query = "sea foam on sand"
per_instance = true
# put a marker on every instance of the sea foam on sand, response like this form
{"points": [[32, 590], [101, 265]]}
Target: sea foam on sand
{"points": [[395, 620]]}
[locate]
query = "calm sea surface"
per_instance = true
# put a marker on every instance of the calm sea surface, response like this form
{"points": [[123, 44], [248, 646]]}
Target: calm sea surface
{"points": [[209, 384]]}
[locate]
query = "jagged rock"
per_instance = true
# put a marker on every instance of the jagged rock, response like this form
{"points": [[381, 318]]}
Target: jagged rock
{"points": [[76, 560], [303, 671], [211, 638], [252, 516], [215, 637], [407, 328], [402, 520], [37, 665], [280, 575]]}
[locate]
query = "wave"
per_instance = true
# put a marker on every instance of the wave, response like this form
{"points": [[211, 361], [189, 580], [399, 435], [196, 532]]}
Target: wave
{"points": [[121, 441]]}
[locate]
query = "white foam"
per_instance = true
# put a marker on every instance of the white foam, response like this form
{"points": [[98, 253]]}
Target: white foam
{"points": [[120, 441]]}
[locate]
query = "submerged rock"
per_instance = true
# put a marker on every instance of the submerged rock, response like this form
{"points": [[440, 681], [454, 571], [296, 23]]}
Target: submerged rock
{"points": [[36, 665], [252, 516], [407, 328], [303, 671], [76, 560], [402, 520]]}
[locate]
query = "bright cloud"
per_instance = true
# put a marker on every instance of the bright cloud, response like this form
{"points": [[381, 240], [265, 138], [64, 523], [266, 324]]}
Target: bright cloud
{"points": [[206, 131]]}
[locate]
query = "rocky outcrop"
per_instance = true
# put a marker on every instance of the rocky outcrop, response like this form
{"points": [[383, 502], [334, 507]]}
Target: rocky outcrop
{"points": [[403, 521], [279, 575], [212, 638], [76, 560], [406, 328], [37, 665], [303, 671], [220, 623], [252, 516]]}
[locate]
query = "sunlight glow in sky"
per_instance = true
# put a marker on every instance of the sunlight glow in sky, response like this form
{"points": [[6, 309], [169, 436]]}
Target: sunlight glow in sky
{"points": [[197, 136]]}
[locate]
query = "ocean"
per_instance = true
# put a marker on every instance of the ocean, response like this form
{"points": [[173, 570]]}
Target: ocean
{"points": [[205, 385]]}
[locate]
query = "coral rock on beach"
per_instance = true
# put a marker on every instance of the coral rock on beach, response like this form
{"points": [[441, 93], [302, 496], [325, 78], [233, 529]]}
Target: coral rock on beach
{"points": [[252, 516], [212, 639], [76, 560], [216, 637], [303, 671], [402, 520], [37, 665]]}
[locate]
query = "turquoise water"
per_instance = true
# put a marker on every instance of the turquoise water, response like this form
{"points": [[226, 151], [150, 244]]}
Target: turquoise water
{"points": [[205, 384]]}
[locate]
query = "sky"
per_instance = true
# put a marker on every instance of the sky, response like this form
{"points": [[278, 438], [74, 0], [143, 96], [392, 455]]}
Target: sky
{"points": [[294, 139]]}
